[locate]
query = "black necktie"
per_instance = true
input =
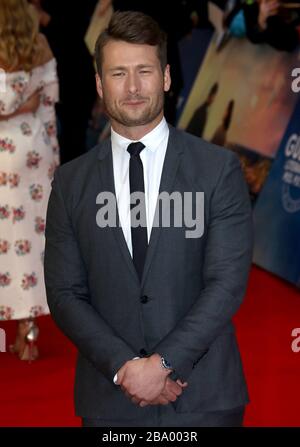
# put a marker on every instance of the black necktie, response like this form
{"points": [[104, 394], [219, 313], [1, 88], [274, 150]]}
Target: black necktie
{"points": [[136, 182]]}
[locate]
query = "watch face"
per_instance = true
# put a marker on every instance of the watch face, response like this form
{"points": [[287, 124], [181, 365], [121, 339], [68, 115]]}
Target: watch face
{"points": [[166, 364]]}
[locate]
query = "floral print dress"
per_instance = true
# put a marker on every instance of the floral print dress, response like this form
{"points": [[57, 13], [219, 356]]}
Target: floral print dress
{"points": [[28, 158]]}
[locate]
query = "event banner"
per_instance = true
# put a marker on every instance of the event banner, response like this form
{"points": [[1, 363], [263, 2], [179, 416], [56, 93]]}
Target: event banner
{"points": [[277, 210], [192, 49], [239, 100]]}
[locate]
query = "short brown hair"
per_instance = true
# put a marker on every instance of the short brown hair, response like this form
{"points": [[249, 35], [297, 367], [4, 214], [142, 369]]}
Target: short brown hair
{"points": [[132, 27]]}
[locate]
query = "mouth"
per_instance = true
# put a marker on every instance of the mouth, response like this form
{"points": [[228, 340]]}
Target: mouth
{"points": [[134, 102]]}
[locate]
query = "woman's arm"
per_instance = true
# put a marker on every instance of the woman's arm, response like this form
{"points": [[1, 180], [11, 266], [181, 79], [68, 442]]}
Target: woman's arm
{"points": [[30, 106]]}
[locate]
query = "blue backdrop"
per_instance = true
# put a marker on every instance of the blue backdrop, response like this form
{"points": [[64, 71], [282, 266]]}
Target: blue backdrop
{"points": [[277, 210]]}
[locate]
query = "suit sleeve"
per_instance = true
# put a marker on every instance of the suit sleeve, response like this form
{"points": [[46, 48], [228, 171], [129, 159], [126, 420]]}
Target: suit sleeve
{"points": [[68, 293], [227, 261]]}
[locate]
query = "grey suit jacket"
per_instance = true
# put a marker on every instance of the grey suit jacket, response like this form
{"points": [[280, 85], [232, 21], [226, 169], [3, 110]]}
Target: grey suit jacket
{"points": [[190, 289]]}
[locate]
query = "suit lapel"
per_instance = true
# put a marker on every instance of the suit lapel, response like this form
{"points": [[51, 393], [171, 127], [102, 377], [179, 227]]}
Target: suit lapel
{"points": [[170, 166], [107, 184]]}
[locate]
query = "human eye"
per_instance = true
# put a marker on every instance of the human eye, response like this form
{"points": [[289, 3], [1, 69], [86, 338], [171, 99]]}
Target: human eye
{"points": [[118, 74]]}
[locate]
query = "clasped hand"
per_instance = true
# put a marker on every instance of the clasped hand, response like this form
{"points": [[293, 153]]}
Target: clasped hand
{"points": [[146, 382]]}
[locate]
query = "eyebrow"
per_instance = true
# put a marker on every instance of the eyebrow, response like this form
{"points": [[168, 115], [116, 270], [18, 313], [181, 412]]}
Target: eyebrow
{"points": [[122, 67]]}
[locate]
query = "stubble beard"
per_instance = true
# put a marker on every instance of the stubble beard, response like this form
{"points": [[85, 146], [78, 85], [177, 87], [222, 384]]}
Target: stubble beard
{"points": [[149, 113]]}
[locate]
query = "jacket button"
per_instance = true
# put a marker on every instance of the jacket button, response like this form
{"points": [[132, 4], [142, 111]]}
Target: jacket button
{"points": [[144, 299], [143, 352]]}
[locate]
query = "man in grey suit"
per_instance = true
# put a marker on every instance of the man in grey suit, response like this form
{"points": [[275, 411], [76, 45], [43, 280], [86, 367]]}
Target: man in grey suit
{"points": [[149, 305]]}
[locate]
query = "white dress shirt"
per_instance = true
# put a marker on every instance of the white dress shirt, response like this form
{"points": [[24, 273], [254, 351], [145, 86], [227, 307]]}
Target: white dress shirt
{"points": [[152, 157]]}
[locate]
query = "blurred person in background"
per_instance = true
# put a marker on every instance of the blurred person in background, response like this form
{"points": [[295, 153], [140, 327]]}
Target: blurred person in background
{"points": [[28, 158], [266, 23], [65, 24]]}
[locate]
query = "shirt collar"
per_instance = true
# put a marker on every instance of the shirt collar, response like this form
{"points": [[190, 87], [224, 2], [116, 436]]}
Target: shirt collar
{"points": [[151, 140]]}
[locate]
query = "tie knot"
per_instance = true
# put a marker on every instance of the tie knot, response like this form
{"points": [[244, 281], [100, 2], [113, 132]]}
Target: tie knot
{"points": [[135, 148]]}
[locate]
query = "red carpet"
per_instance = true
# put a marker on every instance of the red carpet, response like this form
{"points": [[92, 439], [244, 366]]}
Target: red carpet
{"points": [[41, 393]]}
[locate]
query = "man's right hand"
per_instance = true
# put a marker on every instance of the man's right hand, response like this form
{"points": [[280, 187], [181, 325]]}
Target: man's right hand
{"points": [[145, 382], [170, 393]]}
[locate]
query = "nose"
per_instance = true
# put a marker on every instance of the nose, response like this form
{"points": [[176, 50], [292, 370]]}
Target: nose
{"points": [[133, 83]]}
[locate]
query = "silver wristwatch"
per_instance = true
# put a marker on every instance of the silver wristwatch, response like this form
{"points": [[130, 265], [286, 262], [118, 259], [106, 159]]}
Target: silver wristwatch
{"points": [[165, 364]]}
